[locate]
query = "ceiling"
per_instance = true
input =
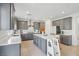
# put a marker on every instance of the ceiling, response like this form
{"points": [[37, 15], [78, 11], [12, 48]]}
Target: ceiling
{"points": [[45, 10]]}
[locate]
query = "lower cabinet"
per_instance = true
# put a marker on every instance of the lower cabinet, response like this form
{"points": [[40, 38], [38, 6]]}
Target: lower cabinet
{"points": [[41, 43], [10, 50], [66, 39], [28, 36]]}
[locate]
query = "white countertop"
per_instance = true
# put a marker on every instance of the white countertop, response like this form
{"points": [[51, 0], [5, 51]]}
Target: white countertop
{"points": [[9, 39], [43, 36], [50, 37]]}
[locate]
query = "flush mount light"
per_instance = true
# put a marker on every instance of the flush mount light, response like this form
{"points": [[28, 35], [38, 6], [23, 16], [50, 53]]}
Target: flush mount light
{"points": [[29, 13], [52, 17], [62, 12]]}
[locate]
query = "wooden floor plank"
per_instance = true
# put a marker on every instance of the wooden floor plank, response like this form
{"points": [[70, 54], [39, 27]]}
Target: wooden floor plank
{"points": [[69, 50], [29, 49]]}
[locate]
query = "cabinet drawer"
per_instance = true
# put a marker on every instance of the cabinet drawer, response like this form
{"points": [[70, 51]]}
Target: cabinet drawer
{"points": [[66, 39]]}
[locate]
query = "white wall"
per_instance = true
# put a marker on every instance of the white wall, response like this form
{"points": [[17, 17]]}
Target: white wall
{"points": [[74, 36], [5, 16], [48, 26], [76, 28]]}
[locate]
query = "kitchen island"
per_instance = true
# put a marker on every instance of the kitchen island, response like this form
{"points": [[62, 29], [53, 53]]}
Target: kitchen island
{"points": [[41, 42], [10, 44], [48, 44]]}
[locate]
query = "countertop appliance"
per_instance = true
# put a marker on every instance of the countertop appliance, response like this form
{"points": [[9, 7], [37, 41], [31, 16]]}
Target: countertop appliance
{"points": [[56, 30], [53, 47]]}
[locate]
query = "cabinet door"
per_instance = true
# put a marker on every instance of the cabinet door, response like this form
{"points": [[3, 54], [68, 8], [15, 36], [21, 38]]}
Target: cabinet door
{"points": [[36, 26], [57, 23], [54, 23], [38, 42], [34, 40], [68, 23], [66, 39], [44, 46], [41, 43], [22, 25], [30, 36], [61, 23], [10, 50]]}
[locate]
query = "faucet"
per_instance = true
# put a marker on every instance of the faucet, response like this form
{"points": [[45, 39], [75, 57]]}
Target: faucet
{"points": [[15, 31]]}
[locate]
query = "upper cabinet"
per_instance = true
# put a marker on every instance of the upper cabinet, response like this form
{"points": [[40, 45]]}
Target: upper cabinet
{"points": [[56, 23], [36, 26], [65, 24], [39, 27], [22, 25], [62, 24]]}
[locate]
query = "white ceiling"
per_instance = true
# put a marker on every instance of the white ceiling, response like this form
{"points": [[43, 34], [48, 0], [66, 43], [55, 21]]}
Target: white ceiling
{"points": [[45, 10]]}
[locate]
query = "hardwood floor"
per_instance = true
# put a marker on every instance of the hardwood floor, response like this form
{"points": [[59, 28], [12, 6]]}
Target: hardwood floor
{"points": [[29, 49], [69, 50]]}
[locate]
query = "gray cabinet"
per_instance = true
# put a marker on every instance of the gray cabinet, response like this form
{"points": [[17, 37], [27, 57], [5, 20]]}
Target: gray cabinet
{"points": [[34, 39], [44, 46], [61, 24], [66, 39], [56, 23], [10, 50], [65, 23], [28, 36], [22, 25], [36, 26], [41, 43], [53, 23]]}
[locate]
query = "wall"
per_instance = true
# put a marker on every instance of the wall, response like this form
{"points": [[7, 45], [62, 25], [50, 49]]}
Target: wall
{"points": [[0, 16], [48, 26], [12, 16], [75, 28], [74, 37], [15, 23], [76, 32], [5, 16]]}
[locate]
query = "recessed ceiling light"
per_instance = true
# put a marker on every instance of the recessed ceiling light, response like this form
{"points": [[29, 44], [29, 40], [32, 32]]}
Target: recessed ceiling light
{"points": [[51, 17], [62, 12]]}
